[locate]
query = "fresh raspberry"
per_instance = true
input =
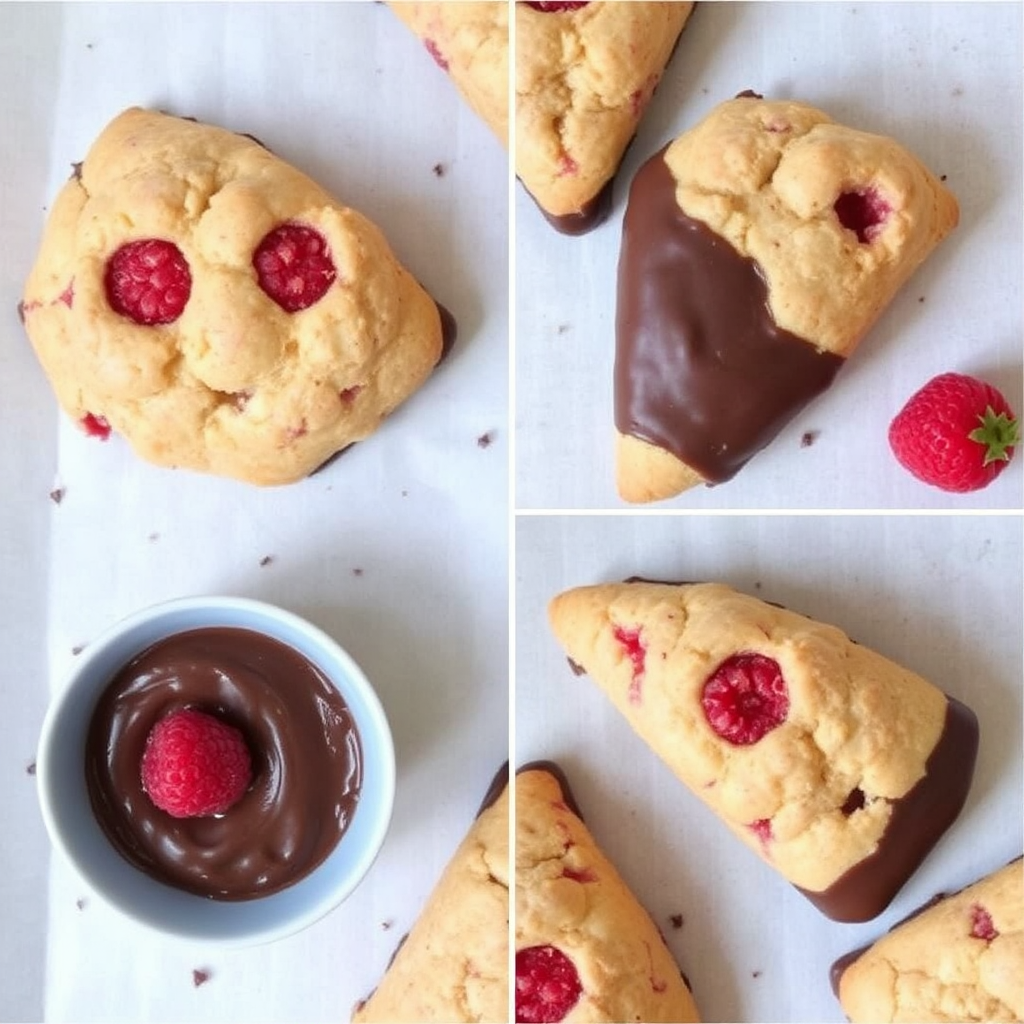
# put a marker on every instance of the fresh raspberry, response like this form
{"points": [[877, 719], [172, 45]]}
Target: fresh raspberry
{"points": [[863, 212], [636, 650], [148, 281], [745, 698], [556, 6], [762, 828], [195, 765], [583, 876], [957, 433], [547, 985], [981, 923], [434, 52], [95, 426], [294, 267]]}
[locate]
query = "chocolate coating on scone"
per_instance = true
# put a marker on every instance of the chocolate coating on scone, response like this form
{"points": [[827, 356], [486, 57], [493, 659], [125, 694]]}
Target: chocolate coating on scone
{"points": [[556, 771], [818, 753]]}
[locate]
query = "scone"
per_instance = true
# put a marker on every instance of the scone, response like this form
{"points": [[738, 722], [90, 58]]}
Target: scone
{"points": [[585, 949], [585, 73], [758, 249], [218, 309], [453, 965], [838, 767], [960, 958], [469, 41]]}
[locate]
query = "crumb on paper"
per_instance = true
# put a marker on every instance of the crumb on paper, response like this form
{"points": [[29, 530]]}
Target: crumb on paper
{"points": [[676, 920], [439, 170], [405, 494], [57, 495], [809, 437], [942, 177], [920, 298], [562, 328], [485, 439], [357, 572], [385, 925], [757, 584], [266, 560], [152, 537], [80, 903], [200, 976], [755, 974], [77, 650], [958, 90], [30, 768]]}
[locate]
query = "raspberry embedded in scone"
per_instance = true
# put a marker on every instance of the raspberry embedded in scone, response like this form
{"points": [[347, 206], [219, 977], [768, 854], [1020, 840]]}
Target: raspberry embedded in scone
{"points": [[960, 958], [585, 73], [838, 767], [452, 967], [585, 948], [758, 249], [211, 304]]}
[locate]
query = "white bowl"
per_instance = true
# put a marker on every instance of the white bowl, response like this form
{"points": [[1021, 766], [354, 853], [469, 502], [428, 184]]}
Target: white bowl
{"points": [[75, 832]]}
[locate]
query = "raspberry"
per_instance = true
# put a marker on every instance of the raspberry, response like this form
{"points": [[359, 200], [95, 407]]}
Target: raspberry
{"points": [[583, 875], [981, 923], [556, 6], [745, 698], [436, 54], [636, 649], [195, 765], [547, 985], [95, 426], [862, 212], [148, 281], [294, 267], [762, 828]]}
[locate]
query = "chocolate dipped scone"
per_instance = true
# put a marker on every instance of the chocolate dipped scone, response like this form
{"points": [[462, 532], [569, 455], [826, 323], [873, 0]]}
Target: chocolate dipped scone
{"points": [[217, 308], [960, 958], [837, 766], [453, 965], [469, 42], [585, 73], [585, 948], [758, 249]]}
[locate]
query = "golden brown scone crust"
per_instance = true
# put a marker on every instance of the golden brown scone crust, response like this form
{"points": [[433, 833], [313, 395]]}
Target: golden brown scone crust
{"points": [[453, 965], [583, 80], [932, 968], [626, 970], [765, 175], [470, 42], [855, 721], [236, 385]]}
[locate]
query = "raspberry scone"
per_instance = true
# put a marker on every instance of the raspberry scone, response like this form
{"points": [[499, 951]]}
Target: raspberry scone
{"points": [[453, 964], [585, 73], [585, 949], [757, 251], [199, 296], [469, 41], [838, 767], [959, 958]]}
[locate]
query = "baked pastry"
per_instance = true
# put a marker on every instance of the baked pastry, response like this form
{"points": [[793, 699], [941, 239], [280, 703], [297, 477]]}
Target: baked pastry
{"points": [[959, 958], [838, 767], [197, 295], [585, 73], [453, 964], [758, 249], [585, 949], [469, 41]]}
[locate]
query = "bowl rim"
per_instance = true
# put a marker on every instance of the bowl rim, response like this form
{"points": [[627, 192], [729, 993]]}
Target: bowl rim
{"points": [[278, 623]]}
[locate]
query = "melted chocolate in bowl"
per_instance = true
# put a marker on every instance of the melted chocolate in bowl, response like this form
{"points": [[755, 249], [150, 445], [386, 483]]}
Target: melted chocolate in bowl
{"points": [[306, 754]]}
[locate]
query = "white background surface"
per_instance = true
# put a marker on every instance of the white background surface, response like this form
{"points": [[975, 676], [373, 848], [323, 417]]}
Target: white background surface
{"points": [[945, 80], [346, 93], [941, 595]]}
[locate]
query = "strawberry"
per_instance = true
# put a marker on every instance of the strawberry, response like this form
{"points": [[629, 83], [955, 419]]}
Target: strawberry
{"points": [[957, 433]]}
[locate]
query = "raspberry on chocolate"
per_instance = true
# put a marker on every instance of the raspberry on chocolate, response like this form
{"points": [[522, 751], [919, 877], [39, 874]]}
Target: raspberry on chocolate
{"points": [[745, 698], [864, 212], [547, 985], [195, 765], [147, 281], [294, 267]]}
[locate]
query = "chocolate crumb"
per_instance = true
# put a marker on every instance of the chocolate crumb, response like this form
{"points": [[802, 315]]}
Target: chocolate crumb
{"points": [[57, 495], [266, 560], [958, 90], [153, 536], [439, 170], [89, 46], [942, 177], [755, 974], [810, 436], [385, 925], [200, 976], [21, 312], [484, 440], [757, 584], [676, 920], [30, 768], [405, 494], [357, 572], [80, 903], [77, 649], [562, 328], [920, 298], [76, 170]]}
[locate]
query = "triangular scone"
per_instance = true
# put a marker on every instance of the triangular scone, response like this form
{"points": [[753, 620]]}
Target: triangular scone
{"points": [[217, 308], [469, 41], [585, 948], [758, 249], [837, 766], [585, 73], [453, 965], [960, 958]]}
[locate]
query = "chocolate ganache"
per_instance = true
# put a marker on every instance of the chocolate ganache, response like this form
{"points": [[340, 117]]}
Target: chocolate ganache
{"points": [[306, 762]]}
